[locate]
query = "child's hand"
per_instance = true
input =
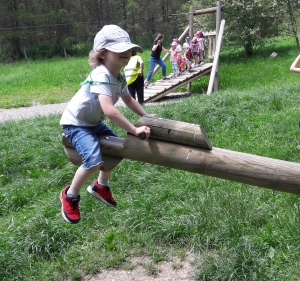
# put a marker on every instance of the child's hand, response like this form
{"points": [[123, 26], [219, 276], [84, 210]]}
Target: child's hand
{"points": [[143, 130]]}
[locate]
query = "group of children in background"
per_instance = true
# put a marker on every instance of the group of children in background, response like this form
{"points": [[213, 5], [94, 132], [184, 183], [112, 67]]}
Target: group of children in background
{"points": [[192, 51]]}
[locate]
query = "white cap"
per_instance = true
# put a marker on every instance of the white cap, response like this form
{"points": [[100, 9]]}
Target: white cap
{"points": [[174, 44], [115, 39]]}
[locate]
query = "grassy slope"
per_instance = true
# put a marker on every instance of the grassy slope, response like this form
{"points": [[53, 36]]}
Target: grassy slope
{"points": [[242, 232]]}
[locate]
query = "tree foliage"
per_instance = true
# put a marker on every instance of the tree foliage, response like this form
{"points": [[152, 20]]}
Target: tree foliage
{"points": [[59, 24], [251, 24], [48, 28]]}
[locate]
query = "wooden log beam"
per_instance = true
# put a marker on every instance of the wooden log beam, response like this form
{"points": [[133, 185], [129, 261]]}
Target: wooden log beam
{"points": [[206, 11], [221, 163], [176, 131]]}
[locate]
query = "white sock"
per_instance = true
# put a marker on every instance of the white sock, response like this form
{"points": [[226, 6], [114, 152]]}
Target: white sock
{"points": [[72, 193], [102, 182]]}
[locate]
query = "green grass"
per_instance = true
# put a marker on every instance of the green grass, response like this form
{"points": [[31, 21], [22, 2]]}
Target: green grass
{"points": [[46, 81], [240, 232]]}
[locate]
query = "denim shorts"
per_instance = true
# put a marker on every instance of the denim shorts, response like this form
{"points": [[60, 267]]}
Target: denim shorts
{"points": [[85, 141]]}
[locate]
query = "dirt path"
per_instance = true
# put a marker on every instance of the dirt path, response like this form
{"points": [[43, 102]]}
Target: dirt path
{"points": [[145, 270]]}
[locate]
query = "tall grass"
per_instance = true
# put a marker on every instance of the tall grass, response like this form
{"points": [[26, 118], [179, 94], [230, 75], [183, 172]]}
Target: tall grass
{"points": [[237, 231]]}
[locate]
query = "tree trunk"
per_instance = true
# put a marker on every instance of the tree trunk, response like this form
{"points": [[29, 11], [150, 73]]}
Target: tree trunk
{"points": [[294, 23]]}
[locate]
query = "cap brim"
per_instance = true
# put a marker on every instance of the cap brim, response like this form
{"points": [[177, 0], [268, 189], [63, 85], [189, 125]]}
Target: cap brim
{"points": [[123, 47]]}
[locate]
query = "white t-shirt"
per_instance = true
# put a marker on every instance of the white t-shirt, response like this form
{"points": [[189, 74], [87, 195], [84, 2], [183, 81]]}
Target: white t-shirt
{"points": [[84, 108], [178, 48], [185, 46]]}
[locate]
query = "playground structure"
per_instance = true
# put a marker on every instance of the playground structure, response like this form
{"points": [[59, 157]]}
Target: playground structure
{"points": [[161, 88], [186, 147]]}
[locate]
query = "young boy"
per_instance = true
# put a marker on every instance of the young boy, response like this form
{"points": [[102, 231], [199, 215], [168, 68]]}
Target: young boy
{"points": [[82, 120], [186, 61]]}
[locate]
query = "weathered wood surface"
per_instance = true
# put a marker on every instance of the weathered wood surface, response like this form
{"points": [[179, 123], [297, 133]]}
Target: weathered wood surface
{"points": [[216, 59], [221, 163], [176, 131], [161, 88]]}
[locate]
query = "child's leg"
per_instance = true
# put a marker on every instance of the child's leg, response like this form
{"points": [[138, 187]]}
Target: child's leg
{"points": [[99, 188], [201, 56], [175, 68], [80, 179], [85, 141], [182, 66], [195, 59]]}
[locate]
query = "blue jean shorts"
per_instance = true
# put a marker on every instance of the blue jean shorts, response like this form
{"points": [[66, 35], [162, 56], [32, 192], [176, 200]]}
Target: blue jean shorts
{"points": [[85, 141]]}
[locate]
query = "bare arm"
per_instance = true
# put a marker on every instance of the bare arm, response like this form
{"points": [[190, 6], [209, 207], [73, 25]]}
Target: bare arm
{"points": [[165, 50], [294, 67], [133, 105], [119, 119]]}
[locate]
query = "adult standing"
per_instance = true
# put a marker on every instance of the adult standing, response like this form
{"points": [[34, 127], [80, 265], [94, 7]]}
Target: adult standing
{"points": [[155, 59], [134, 73]]}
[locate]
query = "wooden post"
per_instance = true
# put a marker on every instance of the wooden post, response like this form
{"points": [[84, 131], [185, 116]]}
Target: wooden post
{"points": [[218, 22], [191, 34], [205, 11], [216, 58]]}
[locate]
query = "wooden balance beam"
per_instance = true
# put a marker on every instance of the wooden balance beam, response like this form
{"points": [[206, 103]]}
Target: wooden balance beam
{"points": [[186, 147]]}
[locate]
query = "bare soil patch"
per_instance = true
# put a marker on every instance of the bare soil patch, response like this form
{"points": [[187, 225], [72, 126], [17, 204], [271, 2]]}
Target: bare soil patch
{"points": [[143, 269]]}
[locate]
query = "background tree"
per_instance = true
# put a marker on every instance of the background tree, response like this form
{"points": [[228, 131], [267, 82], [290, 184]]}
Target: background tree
{"points": [[48, 28]]}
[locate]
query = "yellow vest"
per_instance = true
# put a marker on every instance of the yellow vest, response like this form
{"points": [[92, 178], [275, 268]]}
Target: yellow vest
{"points": [[132, 70]]}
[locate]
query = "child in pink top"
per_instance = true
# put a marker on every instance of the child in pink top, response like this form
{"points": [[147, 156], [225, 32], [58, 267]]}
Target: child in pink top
{"points": [[200, 39], [173, 58]]}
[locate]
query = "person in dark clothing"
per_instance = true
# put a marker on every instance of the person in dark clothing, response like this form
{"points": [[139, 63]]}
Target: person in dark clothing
{"points": [[155, 59]]}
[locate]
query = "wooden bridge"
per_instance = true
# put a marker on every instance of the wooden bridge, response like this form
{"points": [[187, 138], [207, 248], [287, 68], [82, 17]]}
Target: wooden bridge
{"points": [[161, 88]]}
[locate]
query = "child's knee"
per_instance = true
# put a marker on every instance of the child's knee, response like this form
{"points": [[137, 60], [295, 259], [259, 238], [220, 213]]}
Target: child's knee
{"points": [[95, 168]]}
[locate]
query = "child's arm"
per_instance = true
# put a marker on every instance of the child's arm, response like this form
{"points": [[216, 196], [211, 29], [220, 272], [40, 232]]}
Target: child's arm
{"points": [[166, 50], [119, 119], [294, 67]]}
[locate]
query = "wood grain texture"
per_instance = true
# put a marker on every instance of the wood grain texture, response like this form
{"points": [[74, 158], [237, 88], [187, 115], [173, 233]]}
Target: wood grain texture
{"points": [[176, 131], [221, 163]]}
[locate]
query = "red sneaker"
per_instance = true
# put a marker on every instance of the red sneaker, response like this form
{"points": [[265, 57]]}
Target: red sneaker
{"points": [[69, 206], [102, 193]]}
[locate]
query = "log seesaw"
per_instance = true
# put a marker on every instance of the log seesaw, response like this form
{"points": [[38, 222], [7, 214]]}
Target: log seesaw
{"points": [[186, 147]]}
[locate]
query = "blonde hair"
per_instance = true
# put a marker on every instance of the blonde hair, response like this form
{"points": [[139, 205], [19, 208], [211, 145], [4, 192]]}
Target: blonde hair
{"points": [[95, 58]]}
